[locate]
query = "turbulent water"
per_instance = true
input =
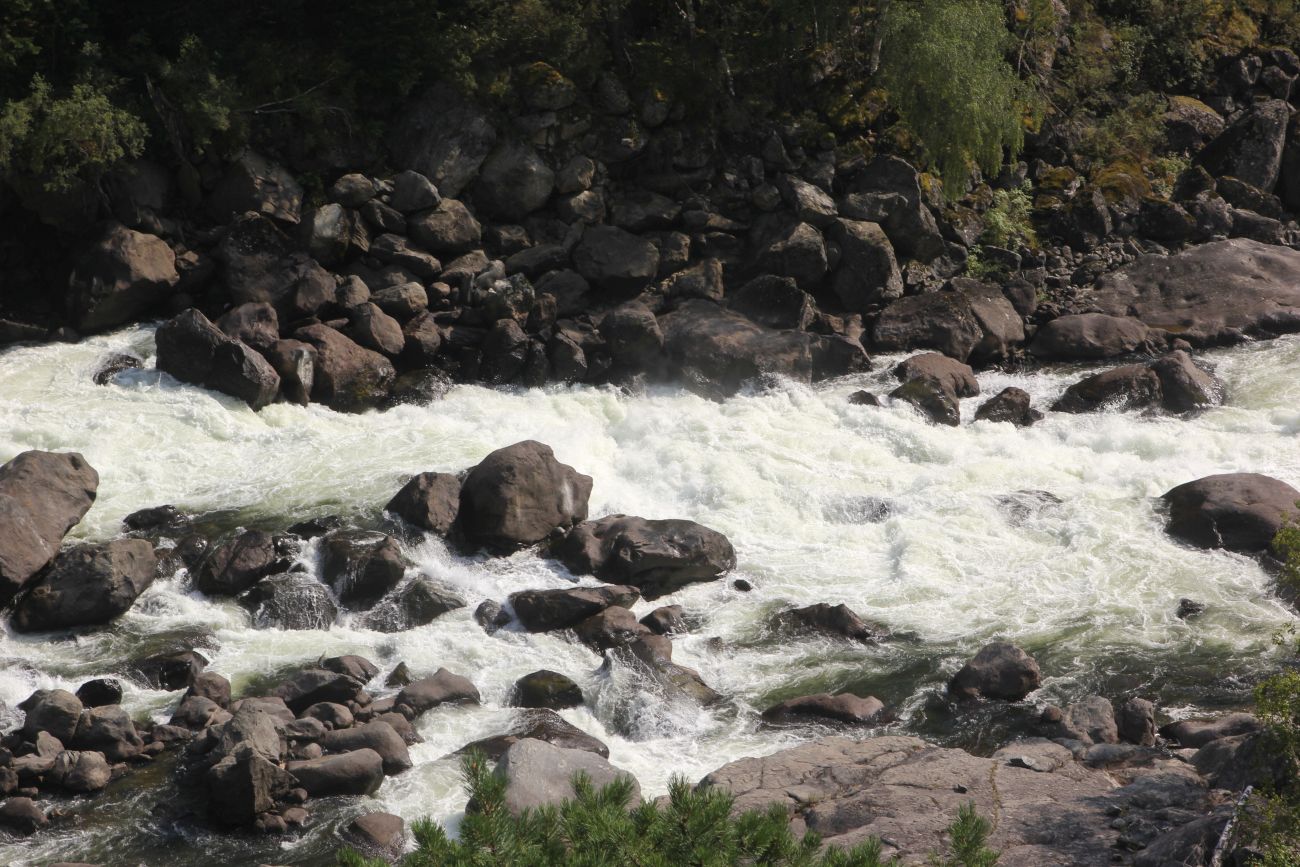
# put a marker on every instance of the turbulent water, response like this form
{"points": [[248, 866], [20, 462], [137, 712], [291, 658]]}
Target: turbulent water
{"points": [[1089, 585]]}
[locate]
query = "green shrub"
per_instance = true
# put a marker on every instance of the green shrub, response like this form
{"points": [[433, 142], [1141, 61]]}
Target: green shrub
{"points": [[1009, 221], [65, 138], [967, 836], [696, 828]]}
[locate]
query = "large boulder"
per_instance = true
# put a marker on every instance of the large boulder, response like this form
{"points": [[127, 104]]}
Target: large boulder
{"points": [[775, 302], [359, 772], [616, 260], [259, 263], [42, 496], [443, 136], [118, 276], [361, 567], [797, 251], [1237, 511], [108, 730], [254, 183], [421, 601], [429, 501], [1250, 149], [1011, 404], [293, 600], [236, 564], [442, 687], [1050, 809], [867, 273], [950, 374], [839, 621], [655, 556], [194, 350], [1174, 383], [539, 774], [613, 627], [1216, 293], [969, 321], [513, 182], [888, 191], [998, 671], [312, 685], [244, 783], [56, 712], [1086, 336], [632, 336], [347, 377], [88, 585], [546, 689], [378, 736], [80, 771], [449, 227], [519, 495], [255, 323], [720, 351], [565, 608]]}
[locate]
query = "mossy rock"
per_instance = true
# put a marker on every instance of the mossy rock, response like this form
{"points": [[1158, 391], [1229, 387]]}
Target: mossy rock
{"points": [[1058, 179], [1123, 183]]}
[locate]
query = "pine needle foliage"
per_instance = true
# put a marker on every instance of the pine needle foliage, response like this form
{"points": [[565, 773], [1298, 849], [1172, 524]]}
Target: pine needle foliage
{"points": [[695, 828], [596, 829]]}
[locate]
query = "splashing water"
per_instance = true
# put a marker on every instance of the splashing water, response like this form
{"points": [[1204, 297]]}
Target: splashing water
{"points": [[1089, 584]]}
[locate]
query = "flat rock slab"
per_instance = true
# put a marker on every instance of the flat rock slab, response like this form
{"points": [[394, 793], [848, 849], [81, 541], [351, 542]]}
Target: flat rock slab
{"points": [[1217, 293], [1045, 808]]}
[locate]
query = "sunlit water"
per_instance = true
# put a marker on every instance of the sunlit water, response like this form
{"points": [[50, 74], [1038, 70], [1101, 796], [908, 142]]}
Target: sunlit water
{"points": [[1089, 586]]}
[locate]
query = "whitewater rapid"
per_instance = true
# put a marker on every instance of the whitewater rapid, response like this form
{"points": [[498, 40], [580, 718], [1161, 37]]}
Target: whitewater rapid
{"points": [[1089, 586]]}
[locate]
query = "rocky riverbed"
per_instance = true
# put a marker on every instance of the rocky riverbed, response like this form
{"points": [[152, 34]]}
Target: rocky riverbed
{"points": [[937, 540]]}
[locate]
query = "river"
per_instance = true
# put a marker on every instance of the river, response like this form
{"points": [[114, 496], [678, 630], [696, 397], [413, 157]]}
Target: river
{"points": [[1089, 585]]}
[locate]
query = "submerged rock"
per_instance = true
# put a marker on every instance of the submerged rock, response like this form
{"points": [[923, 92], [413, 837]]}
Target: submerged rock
{"points": [[836, 620], [1174, 383], [546, 689], [293, 600], [545, 610], [840, 708], [543, 725]]}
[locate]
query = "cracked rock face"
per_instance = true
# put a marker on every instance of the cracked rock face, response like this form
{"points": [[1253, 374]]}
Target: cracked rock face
{"points": [[1045, 808]]}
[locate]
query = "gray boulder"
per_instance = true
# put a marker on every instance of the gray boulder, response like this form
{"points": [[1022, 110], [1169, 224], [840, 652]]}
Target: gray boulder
{"points": [[377, 736], [347, 377], [543, 725], [88, 585], [616, 260], [719, 351], [867, 273], [255, 323], [519, 495], [443, 136], [565, 608], [442, 687], [823, 707], [80, 771], [118, 276], [447, 228], [1211, 294], [1086, 336], [797, 251], [429, 501], [194, 350], [1236, 511], [1174, 383], [774, 302], [108, 730], [655, 556], [539, 774], [1250, 149], [546, 689], [359, 772], [293, 600], [969, 321], [43, 495], [56, 712], [254, 183], [236, 564], [998, 671], [361, 566], [513, 182]]}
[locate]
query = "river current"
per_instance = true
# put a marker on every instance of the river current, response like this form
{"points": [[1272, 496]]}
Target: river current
{"points": [[1089, 585]]}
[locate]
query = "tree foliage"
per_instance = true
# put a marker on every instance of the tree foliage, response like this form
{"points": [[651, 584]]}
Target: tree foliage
{"points": [[944, 64]]}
